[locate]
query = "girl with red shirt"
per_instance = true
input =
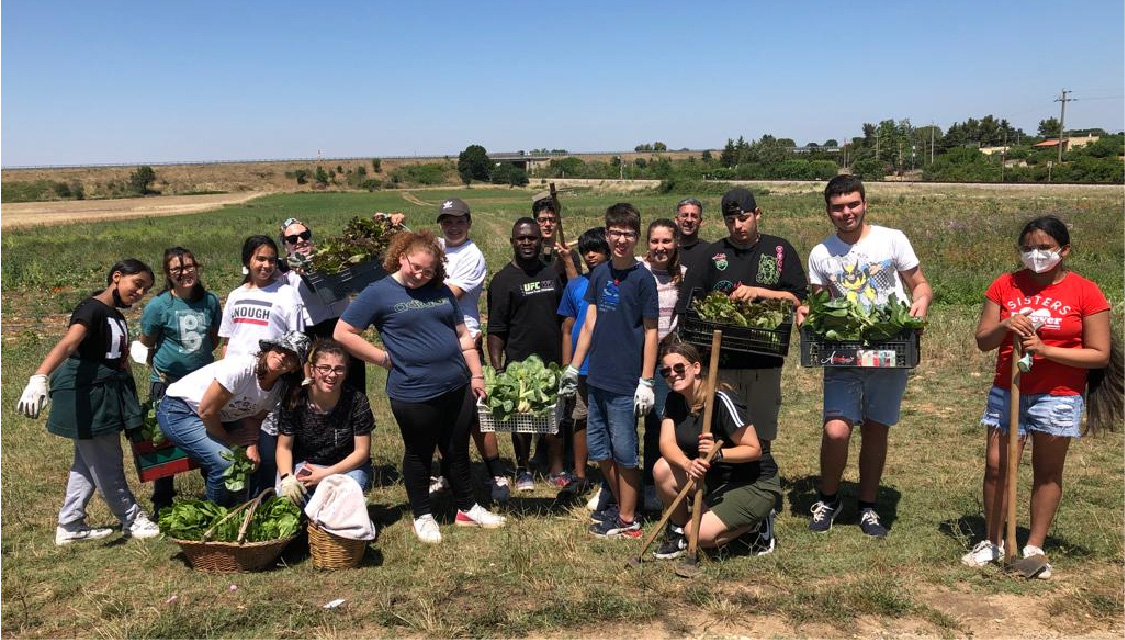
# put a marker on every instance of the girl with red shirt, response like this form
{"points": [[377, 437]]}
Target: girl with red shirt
{"points": [[1062, 320]]}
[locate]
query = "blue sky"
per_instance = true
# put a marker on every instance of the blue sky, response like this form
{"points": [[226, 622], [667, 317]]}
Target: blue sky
{"points": [[90, 82]]}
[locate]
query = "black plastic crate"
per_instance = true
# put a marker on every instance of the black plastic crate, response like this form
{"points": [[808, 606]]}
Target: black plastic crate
{"points": [[902, 353], [768, 342], [338, 286]]}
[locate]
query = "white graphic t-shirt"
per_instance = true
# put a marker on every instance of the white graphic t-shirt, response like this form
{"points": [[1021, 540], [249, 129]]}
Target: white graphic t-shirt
{"points": [[238, 375], [866, 272], [251, 315]]}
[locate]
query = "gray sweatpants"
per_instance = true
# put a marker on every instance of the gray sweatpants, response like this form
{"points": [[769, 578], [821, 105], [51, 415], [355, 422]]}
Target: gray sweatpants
{"points": [[97, 465]]}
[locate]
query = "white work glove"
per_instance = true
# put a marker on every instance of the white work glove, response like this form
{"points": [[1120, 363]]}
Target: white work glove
{"points": [[568, 383], [643, 398], [293, 490], [138, 352], [34, 396]]}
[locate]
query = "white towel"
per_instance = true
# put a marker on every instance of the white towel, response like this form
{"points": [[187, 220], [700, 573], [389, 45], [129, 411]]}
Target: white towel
{"points": [[338, 507]]}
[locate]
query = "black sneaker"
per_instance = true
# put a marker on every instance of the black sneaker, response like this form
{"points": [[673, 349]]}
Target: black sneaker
{"points": [[609, 514], [822, 516], [617, 528], [870, 524], [766, 542], [674, 545]]}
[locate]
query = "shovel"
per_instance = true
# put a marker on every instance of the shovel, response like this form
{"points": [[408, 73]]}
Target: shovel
{"points": [[1030, 566], [713, 374], [689, 568]]}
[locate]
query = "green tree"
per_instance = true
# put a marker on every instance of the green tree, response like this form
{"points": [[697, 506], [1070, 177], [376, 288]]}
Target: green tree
{"points": [[1049, 128], [706, 155], [141, 179], [869, 169], [321, 175], [659, 146], [473, 164], [729, 155], [831, 142], [376, 165]]}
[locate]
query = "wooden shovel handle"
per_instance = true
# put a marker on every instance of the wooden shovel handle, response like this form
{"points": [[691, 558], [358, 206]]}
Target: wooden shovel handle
{"points": [[708, 410], [1013, 454]]}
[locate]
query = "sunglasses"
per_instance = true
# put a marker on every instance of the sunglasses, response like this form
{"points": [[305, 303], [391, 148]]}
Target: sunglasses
{"points": [[304, 235], [326, 369], [679, 369]]}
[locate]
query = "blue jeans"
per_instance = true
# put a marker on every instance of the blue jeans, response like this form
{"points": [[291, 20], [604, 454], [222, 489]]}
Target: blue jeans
{"points": [[611, 428], [1058, 416], [653, 419], [184, 428], [363, 475], [264, 477], [855, 394]]}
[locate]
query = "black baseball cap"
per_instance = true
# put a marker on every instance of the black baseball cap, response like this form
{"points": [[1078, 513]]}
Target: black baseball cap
{"points": [[453, 207], [737, 202]]}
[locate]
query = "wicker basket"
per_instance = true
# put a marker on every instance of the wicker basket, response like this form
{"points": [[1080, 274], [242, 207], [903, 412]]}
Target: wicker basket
{"points": [[210, 556], [330, 551]]}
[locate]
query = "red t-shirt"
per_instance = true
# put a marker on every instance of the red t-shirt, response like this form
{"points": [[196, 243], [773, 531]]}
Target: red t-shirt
{"points": [[1059, 308]]}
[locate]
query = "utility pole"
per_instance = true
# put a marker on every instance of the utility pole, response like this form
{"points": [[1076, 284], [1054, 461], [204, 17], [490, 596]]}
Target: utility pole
{"points": [[1062, 100], [932, 129]]}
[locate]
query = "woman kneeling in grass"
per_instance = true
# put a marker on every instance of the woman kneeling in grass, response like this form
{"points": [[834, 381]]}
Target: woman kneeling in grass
{"points": [[325, 427], [741, 484]]}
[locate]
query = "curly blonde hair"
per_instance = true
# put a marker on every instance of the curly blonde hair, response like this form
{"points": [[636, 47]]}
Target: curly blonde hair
{"points": [[409, 242]]}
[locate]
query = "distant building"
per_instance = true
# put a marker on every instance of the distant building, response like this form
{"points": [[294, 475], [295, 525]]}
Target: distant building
{"points": [[991, 150], [1069, 142]]}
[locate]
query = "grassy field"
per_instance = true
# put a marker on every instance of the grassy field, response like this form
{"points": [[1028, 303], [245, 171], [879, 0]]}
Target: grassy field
{"points": [[543, 576]]}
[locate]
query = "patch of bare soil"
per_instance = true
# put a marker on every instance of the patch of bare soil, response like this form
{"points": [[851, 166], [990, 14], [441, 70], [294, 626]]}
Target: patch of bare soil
{"points": [[413, 199], [23, 214]]}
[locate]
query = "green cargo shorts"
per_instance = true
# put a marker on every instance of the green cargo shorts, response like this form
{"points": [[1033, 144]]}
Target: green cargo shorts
{"points": [[744, 505]]}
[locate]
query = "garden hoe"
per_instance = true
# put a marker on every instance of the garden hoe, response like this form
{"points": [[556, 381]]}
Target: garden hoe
{"points": [[712, 377], [1031, 566]]}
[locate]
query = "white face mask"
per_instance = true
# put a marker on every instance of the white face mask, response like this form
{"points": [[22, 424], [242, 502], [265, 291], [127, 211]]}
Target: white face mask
{"points": [[1041, 260]]}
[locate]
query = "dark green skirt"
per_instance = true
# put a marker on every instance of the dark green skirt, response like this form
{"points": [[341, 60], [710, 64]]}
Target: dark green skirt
{"points": [[89, 400]]}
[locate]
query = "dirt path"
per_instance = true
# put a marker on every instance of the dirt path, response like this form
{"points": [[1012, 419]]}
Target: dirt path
{"points": [[24, 214], [413, 199]]}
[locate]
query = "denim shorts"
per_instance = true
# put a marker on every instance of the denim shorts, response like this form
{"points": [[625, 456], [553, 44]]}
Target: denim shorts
{"points": [[856, 394], [1059, 416], [611, 429]]}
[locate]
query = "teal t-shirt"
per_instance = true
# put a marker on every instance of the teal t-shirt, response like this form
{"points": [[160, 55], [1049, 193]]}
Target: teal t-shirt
{"points": [[182, 330]]}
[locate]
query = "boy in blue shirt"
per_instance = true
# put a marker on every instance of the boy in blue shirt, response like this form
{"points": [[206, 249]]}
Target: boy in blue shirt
{"points": [[594, 250], [620, 337]]}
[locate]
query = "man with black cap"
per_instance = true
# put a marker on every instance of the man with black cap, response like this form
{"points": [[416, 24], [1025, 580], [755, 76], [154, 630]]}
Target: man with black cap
{"points": [[465, 271], [544, 208], [748, 265]]}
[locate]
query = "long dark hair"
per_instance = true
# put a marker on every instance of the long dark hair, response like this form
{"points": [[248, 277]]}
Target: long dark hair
{"points": [[1105, 394], [251, 246], [197, 289], [674, 261], [1050, 225], [299, 394], [126, 267]]}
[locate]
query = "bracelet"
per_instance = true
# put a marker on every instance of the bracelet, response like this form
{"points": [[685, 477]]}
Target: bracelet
{"points": [[648, 382], [480, 377], [285, 475]]}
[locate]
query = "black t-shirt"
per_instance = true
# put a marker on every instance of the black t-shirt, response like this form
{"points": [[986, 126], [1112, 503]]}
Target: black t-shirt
{"points": [[327, 438], [727, 416], [772, 263], [691, 254], [522, 308], [550, 257], [107, 336]]}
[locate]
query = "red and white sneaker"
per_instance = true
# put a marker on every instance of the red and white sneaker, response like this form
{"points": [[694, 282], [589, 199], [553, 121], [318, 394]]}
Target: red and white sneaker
{"points": [[478, 516]]}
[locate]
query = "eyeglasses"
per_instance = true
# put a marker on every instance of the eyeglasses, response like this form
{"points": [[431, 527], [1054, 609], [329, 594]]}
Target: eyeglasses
{"points": [[304, 235], [545, 219], [623, 235], [326, 369], [187, 268], [426, 273], [679, 369]]}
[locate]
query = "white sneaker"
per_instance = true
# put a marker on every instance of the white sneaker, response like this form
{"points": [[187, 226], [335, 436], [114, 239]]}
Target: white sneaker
{"points": [[478, 516], [141, 528], [427, 529], [651, 500], [438, 484], [984, 553], [1032, 550], [66, 536]]}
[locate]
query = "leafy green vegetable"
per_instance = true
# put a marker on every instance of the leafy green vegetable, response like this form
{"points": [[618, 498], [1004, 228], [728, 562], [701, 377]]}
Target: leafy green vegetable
{"points": [[846, 320], [763, 314], [190, 518], [237, 475], [151, 431], [363, 239], [527, 387]]}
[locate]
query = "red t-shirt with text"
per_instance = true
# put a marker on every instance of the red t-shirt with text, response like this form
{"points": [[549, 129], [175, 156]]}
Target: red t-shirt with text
{"points": [[1059, 309]]}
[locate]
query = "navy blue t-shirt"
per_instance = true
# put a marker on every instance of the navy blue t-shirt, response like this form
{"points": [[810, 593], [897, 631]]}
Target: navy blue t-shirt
{"points": [[418, 327], [624, 300]]}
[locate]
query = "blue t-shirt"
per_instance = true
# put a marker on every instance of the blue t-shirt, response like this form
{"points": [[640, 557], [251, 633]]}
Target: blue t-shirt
{"points": [[574, 305], [182, 330], [418, 327], [624, 300]]}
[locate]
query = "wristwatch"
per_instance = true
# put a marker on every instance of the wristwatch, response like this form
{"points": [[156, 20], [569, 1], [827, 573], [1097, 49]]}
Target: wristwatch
{"points": [[718, 456]]}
